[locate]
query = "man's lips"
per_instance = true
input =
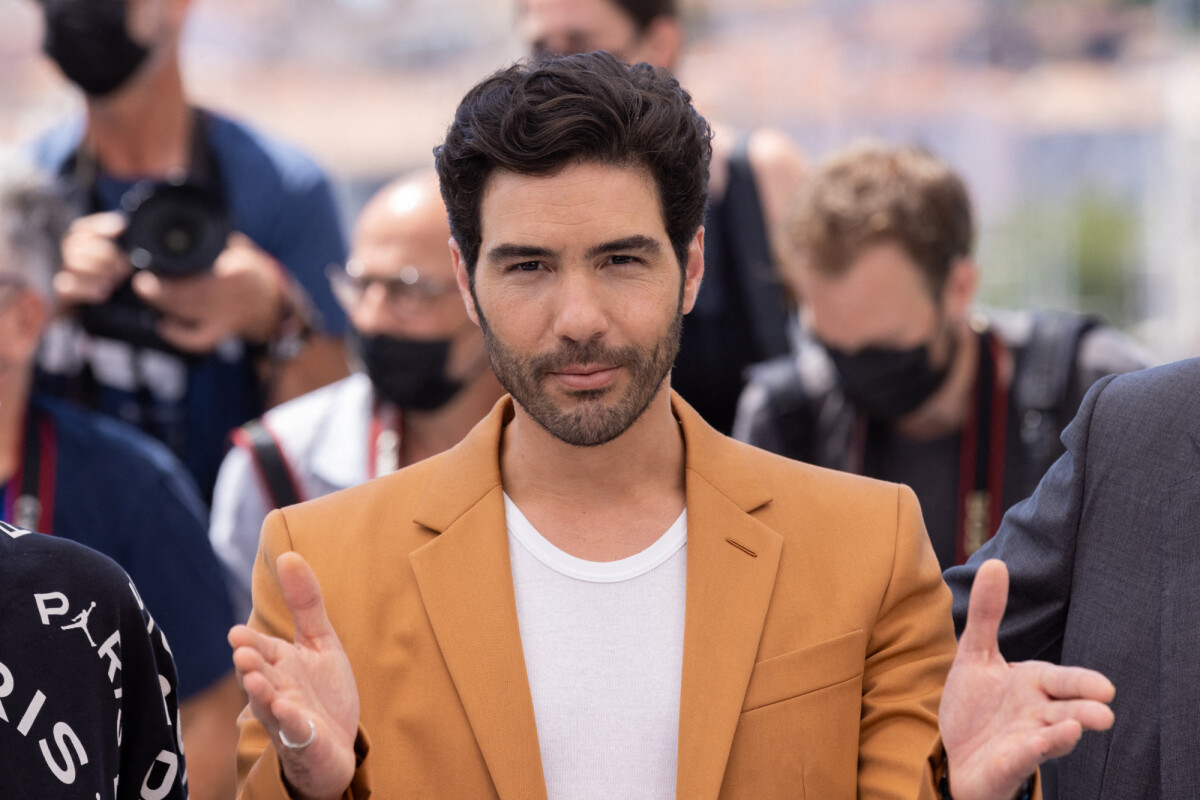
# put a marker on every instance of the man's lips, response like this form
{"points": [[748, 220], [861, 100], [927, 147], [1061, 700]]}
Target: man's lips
{"points": [[588, 376]]}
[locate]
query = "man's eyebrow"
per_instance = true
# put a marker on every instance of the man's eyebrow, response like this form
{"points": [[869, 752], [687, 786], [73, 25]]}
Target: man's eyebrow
{"points": [[507, 252], [635, 242]]}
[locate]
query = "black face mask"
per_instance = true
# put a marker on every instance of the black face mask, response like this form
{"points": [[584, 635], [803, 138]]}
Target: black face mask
{"points": [[88, 41], [887, 384], [408, 372]]}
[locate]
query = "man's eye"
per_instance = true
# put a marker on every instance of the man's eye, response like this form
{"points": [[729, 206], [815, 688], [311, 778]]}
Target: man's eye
{"points": [[622, 260], [526, 266]]}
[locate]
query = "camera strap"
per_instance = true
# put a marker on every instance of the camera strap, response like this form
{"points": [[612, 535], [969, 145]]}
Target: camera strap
{"points": [[29, 498]]}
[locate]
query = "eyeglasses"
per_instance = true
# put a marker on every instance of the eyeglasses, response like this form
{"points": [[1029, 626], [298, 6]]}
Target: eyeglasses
{"points": [[405, 292]]}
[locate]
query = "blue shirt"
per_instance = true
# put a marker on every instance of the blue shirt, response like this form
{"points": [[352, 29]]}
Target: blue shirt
{"points": [[280, 199], [118, 491]]}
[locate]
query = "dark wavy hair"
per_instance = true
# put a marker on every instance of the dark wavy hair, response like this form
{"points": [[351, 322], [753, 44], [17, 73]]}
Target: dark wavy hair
{"points": [[537, 117]]}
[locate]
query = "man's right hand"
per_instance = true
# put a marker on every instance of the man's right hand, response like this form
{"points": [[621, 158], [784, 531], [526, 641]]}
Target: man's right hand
{"points": [[93, 265], [291, 684]]}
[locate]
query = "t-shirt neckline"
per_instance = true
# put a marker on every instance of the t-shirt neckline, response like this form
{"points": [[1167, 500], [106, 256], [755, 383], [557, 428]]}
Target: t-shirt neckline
{"points": [[634, 566]]}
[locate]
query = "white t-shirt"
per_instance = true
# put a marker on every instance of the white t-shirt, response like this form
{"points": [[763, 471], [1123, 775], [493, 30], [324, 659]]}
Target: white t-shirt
{"points": [[603, 645]]}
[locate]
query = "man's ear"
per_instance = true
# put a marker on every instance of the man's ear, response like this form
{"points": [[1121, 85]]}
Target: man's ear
{"points": [[661, 42], [693, 273], [463, 279], [962, 282]]}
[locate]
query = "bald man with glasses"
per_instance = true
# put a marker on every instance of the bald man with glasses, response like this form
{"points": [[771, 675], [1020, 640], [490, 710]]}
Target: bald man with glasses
{"points": [[422, 382]]}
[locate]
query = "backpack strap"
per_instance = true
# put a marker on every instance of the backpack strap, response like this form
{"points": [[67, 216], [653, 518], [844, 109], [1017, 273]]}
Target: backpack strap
{"points": [[269, 460], [753, 267], [787, 407], [1046, 379]]}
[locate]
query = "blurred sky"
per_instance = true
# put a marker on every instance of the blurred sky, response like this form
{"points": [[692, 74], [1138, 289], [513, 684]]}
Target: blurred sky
{"points": [[1075, 122]]}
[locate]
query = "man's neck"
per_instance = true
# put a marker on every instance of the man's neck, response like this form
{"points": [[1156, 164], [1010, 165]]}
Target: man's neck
{"points": [[143, 130], [14, 400], [945, 411], [599, 503], [427, 433]]}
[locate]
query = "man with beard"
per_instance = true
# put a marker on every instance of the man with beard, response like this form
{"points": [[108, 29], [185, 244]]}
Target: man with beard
{"points": [[740, 317], [184, 330], [425, 380], [595, 594], [897, 375]]}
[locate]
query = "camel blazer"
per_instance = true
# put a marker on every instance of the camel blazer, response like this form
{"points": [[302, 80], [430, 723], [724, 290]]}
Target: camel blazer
{"points": [[817, 630]]}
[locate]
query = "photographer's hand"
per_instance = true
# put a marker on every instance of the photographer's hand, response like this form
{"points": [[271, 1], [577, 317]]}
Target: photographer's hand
{"points": [[242, 296], [93, 264]]}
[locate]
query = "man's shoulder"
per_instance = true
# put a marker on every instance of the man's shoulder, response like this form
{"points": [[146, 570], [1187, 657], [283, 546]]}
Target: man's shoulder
{"points": [[795, 492], [355, 516], [29, 558], [111, 462], [51, 148], [243, 149], [1064, 341], [88, 439], [1164, 397], [300, 419]]}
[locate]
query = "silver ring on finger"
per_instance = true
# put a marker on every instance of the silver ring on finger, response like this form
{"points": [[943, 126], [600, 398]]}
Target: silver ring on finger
{"points": [[312, 737]]}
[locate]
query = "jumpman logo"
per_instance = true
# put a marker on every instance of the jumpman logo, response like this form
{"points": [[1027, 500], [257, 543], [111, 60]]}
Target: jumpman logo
{"points": [[80, 621]]}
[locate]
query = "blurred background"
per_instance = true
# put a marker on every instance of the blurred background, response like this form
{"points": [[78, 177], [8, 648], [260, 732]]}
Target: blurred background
{"points": [[1075, 122]]}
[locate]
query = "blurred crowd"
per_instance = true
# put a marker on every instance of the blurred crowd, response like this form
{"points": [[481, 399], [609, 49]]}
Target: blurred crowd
{"points": [[189, 340]]}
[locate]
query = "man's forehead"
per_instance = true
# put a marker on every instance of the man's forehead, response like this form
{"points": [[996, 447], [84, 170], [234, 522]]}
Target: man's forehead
{"points": [[593, 173], [581, 205], [880, 299]]}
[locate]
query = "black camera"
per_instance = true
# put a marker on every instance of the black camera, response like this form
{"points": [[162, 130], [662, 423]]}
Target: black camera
{"points": [[173, 229]]}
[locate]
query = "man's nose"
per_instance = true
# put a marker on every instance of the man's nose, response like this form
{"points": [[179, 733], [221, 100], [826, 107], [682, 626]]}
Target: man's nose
{"points": [[580, 313]]}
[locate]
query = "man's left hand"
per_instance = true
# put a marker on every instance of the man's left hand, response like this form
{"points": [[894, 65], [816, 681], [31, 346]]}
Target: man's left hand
{"points": [[999, 721], [242, 296]]}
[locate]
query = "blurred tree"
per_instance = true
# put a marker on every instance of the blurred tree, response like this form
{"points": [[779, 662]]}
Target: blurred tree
{"points": [[1106, 240], [1078, 253]]}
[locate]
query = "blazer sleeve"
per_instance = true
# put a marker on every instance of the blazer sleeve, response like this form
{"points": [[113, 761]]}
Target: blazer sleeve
{"points": [[908, 655], [260, 775], [1037, 541]]}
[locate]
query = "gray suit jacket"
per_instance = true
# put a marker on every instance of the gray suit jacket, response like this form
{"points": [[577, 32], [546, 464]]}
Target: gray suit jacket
{"points": [[1105, 567]]}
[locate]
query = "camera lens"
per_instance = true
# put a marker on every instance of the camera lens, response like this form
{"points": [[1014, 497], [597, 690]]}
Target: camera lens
{"points": [[176, 230]]}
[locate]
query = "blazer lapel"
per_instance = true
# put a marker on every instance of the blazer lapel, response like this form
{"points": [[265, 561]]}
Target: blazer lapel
{"points": [[732, 561], [465, 579], [1179, 694]]}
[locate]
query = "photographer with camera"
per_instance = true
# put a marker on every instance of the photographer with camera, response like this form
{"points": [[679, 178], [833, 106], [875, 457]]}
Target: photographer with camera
{"points": [[192, 284], [85, 477]]}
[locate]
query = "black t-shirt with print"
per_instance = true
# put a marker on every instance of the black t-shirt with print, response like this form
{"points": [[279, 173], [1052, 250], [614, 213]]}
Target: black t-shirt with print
{"points": [[88, 705]]}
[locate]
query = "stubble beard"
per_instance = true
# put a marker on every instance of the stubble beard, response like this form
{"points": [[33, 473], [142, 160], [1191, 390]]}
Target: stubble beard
{"points": [[592, 422]]}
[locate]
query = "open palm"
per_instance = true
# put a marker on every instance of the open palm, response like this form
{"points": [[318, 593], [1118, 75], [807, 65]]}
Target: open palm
{"points": [[304, 688], [999, 721]]}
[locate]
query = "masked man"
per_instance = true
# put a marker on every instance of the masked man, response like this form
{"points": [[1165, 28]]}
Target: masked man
{"points": [[896, 375], [425, 380], [203, 297]]}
